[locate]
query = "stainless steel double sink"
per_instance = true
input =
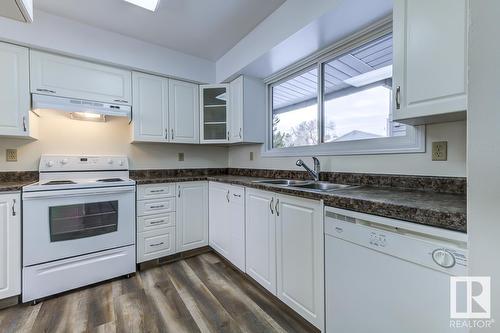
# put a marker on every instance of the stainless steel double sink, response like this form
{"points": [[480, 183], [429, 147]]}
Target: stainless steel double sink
{"points": [[305, 184]]}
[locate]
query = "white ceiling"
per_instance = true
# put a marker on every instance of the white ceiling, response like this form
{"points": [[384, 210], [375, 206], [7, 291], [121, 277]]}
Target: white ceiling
{"points": [[203, 28]]}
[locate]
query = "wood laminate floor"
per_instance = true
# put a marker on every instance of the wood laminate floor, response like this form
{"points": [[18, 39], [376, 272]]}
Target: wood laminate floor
{"points": [[198, 294]]}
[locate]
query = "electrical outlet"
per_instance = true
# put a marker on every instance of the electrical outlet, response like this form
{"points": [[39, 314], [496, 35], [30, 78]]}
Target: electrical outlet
{"points": [[251, 156], [180, 157], [440, 151], [11, 155]]}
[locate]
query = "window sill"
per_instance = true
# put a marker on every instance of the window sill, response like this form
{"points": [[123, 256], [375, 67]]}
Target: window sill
{"points": [[413, 142]]}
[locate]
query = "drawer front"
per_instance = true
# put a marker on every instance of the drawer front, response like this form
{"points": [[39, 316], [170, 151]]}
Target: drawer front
{"points": [[157, 206], [152, 191], [151, 222], [155, 244]]}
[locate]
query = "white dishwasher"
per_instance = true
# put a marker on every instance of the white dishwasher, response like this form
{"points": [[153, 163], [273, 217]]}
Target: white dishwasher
{"points": [[389, 276]]}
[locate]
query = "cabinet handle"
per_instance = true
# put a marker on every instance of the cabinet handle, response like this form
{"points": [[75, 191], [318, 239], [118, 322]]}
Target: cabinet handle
{"points": [[13, 207], [240, 133], [277, 207], [271, 205], [166, 134], [398, 97], [227, 195], [156, 191], [46, 90], [172, 133], [237, 195], [156, 222], [228, 135], [157, 244], [158, 206], [179, 195], [121, 101], [24, 123]]}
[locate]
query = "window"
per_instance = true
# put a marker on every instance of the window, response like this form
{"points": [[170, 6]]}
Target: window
{"points": [[341, 104]]}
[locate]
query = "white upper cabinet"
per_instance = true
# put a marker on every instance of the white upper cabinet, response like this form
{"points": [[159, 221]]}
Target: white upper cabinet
{"points": [[192, 215], [214, 118], [10, 251], [247, 110], [299, 239], [67, 77], [15, 116], [184, 116], [430, 61], [150, 108], [20, 10]]}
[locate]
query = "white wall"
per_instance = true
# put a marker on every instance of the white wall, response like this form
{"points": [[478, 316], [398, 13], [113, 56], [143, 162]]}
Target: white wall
{"points": [[414, 164], [484, 149], [61, 35], [61, 135]]}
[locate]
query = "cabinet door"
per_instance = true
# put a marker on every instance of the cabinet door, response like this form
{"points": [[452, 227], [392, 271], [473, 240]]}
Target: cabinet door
{"points": [[150, 108], [299, 237], [14, 90], [184, 112], [218, 222], [67, 77], [236, 228], [430, 60], [10, 251], [192, 215], [261, 238], [214, 101], [236, 110]]}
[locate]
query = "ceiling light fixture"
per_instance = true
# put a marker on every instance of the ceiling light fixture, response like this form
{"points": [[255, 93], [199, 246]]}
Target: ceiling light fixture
{"points": [[151, 5]]}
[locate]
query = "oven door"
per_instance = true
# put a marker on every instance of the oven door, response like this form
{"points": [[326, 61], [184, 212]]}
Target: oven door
{"points": [[66, 223]]}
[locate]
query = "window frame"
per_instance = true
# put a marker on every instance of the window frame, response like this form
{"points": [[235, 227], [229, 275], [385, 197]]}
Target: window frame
{"points": [[412, 142]]}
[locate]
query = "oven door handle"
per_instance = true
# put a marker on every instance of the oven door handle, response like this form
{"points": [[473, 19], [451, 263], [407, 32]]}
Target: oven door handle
{"points": [[77, 192]]}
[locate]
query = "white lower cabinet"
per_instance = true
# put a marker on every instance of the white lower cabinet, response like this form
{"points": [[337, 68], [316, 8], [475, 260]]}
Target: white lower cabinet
{"points": [[227, 222], [192, 215], [156, 243], [299, 252], [10, 249], [284, 250]]}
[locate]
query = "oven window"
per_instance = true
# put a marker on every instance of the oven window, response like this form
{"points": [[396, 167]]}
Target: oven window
{"points": [[82, 220]]}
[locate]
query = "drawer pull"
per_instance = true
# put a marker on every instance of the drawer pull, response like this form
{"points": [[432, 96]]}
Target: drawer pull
{"points": [[158, 206], [157, 222], [157, 244], [46, 91], [157, 191]]}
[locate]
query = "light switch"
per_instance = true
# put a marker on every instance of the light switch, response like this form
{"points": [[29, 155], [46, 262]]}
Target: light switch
{"points": [[251, 156]]}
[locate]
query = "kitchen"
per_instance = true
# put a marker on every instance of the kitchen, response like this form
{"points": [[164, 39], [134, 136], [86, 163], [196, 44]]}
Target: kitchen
{"points": [[331, 172]]}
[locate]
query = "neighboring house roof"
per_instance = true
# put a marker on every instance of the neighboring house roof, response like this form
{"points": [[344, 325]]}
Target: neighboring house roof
{"points": [[357, 135]]}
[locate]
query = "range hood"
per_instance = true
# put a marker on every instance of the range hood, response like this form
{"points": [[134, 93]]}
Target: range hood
{"points": [[74, 105]]}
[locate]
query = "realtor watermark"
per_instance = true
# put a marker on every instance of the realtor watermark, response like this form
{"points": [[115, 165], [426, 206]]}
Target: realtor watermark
{"points": [[470, 302]]}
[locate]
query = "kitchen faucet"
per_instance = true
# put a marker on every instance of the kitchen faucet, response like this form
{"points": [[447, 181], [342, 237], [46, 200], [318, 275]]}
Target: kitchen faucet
{"points": [[314, 173]]}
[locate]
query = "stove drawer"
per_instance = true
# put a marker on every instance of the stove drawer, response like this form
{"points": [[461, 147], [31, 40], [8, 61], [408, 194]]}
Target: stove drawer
{"points": [[156, 206], [155, 244], [152, 222], [153, 191]]}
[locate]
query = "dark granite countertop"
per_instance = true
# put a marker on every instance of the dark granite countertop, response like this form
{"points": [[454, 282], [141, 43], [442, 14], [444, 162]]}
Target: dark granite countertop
{"points": [[443, 210], [11, 186]]}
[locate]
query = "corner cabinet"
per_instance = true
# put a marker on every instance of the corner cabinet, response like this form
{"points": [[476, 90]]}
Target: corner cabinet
{"points": [[227, 222], [192, 215], [214, 109], [284, 250], [68, 77], [430, 61], [10, 251], [164, 110], [16, 119], [234, 112]]}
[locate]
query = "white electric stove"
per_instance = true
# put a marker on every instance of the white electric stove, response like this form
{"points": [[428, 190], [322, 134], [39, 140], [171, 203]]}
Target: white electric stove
{"points": [[78, 224]]}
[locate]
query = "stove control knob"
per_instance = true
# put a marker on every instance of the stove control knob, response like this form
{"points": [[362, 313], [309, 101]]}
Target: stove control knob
{"points": [[50, 164], [110, 161], [64, 161], [121, 163]]}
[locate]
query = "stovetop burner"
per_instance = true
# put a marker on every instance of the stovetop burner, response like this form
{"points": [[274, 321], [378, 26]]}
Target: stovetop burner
{"points": [[59, 182], [110, 180]]}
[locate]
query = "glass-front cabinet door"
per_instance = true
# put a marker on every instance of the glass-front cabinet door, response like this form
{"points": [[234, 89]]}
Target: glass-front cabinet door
{"points": [[214, 113]]}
